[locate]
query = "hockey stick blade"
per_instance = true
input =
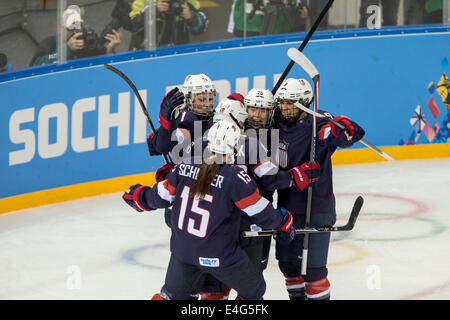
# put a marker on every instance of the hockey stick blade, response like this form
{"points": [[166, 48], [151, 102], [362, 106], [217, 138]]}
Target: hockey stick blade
{"points": [[347, 227], [300, 59]]}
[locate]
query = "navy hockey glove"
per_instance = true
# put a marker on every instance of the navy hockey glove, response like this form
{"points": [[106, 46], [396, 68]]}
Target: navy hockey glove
{"points": [[305, 175], [162, 172], [286, 231], [134, 198], [173, 99], [151, 145]]}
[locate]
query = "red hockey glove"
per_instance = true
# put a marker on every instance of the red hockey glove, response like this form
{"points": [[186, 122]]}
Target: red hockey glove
{"points": [[305, 175], [134, 198], [162, 172], [286, 230], [351, 131]]}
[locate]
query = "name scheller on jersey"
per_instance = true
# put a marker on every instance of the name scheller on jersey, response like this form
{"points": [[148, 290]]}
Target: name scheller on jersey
{"points": [[191, 171]]}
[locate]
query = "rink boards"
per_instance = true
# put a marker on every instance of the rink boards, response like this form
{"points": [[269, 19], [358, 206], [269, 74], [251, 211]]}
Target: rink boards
{"points": [[78, 132]]}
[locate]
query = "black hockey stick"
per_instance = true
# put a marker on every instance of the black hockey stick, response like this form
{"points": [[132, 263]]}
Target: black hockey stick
{"points": [[300, 59], [303, 45], [347, 227], [141, 102]]}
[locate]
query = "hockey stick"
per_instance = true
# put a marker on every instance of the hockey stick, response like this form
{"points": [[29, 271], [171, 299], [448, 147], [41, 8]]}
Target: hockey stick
{"points": [[347, 227], [313, 73], [141, 102], [300, 59], [303, 45], [341, 126]]}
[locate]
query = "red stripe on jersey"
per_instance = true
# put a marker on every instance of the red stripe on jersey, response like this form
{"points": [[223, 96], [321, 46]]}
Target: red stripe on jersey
{"points": [[249, 201], [168, 187]]}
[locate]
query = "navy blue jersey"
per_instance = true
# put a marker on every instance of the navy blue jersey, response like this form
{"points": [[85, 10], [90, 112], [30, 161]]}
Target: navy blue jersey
{"points": [[253, 157], [206, 232], [294, 149], [184, 128]]}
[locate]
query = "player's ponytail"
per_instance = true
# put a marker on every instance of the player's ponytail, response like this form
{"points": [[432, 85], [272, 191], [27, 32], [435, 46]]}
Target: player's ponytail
{"points": [[208, 172]]}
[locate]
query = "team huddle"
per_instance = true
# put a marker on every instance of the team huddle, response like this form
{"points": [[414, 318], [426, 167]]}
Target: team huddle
{"points": [[226, 163]]}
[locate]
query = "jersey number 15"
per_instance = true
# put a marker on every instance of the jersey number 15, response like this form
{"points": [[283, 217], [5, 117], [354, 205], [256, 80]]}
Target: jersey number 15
{"points": [[203, 213]]}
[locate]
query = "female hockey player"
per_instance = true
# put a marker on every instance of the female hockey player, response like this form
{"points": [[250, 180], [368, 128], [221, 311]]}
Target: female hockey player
{"points": [[295, 129], [179, 111], [208, 201], [253, 156]]}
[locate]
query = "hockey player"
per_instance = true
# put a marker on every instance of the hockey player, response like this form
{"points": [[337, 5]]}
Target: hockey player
{"points": [[231, 109], [260, 107], [253, 156], [295, 132], [179, 111], [208, 201]]}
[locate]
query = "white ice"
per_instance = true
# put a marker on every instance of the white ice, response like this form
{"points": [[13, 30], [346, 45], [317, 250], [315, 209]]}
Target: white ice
{"points": [[99, 248]]}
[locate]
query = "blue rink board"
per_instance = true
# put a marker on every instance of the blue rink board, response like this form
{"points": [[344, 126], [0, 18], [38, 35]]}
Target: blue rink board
{"points": [[377, 80]]}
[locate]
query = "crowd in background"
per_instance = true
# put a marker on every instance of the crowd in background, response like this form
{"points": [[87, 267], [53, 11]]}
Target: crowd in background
{"points": [[179, 21]]}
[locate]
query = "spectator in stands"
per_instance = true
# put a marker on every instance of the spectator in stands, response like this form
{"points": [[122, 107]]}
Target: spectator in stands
{"points": [[81, 40], [316, 8], [433, 11], [176, 20], [4, 65], [389, 11], [414, 12], [269, 17]]}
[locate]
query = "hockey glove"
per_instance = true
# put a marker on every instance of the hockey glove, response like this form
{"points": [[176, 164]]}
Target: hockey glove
{"points": [[151, 145], [305, 175], [135, 198], [351, 132], [286, 231], [162, 172], [173, 99]]}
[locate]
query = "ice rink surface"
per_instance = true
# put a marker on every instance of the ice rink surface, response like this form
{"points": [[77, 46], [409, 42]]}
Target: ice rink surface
{"points": [[99, 248]]}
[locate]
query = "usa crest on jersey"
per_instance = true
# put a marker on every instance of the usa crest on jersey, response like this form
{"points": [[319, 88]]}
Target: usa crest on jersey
{"points": [[282, 155]]}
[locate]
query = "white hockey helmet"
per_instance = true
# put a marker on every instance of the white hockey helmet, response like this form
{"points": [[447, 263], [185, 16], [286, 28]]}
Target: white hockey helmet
{"points": [[231, 110], [263, 99], [259, 98], [196, 84], [296, 90], [223, 136]]}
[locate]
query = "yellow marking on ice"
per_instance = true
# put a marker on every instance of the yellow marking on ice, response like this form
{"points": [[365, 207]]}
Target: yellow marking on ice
{"points": [[359, 253]]}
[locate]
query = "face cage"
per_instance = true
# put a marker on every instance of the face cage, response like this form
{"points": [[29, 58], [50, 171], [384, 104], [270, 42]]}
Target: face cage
{"points": [[249, 125], [289, 120], [189, 103]]}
